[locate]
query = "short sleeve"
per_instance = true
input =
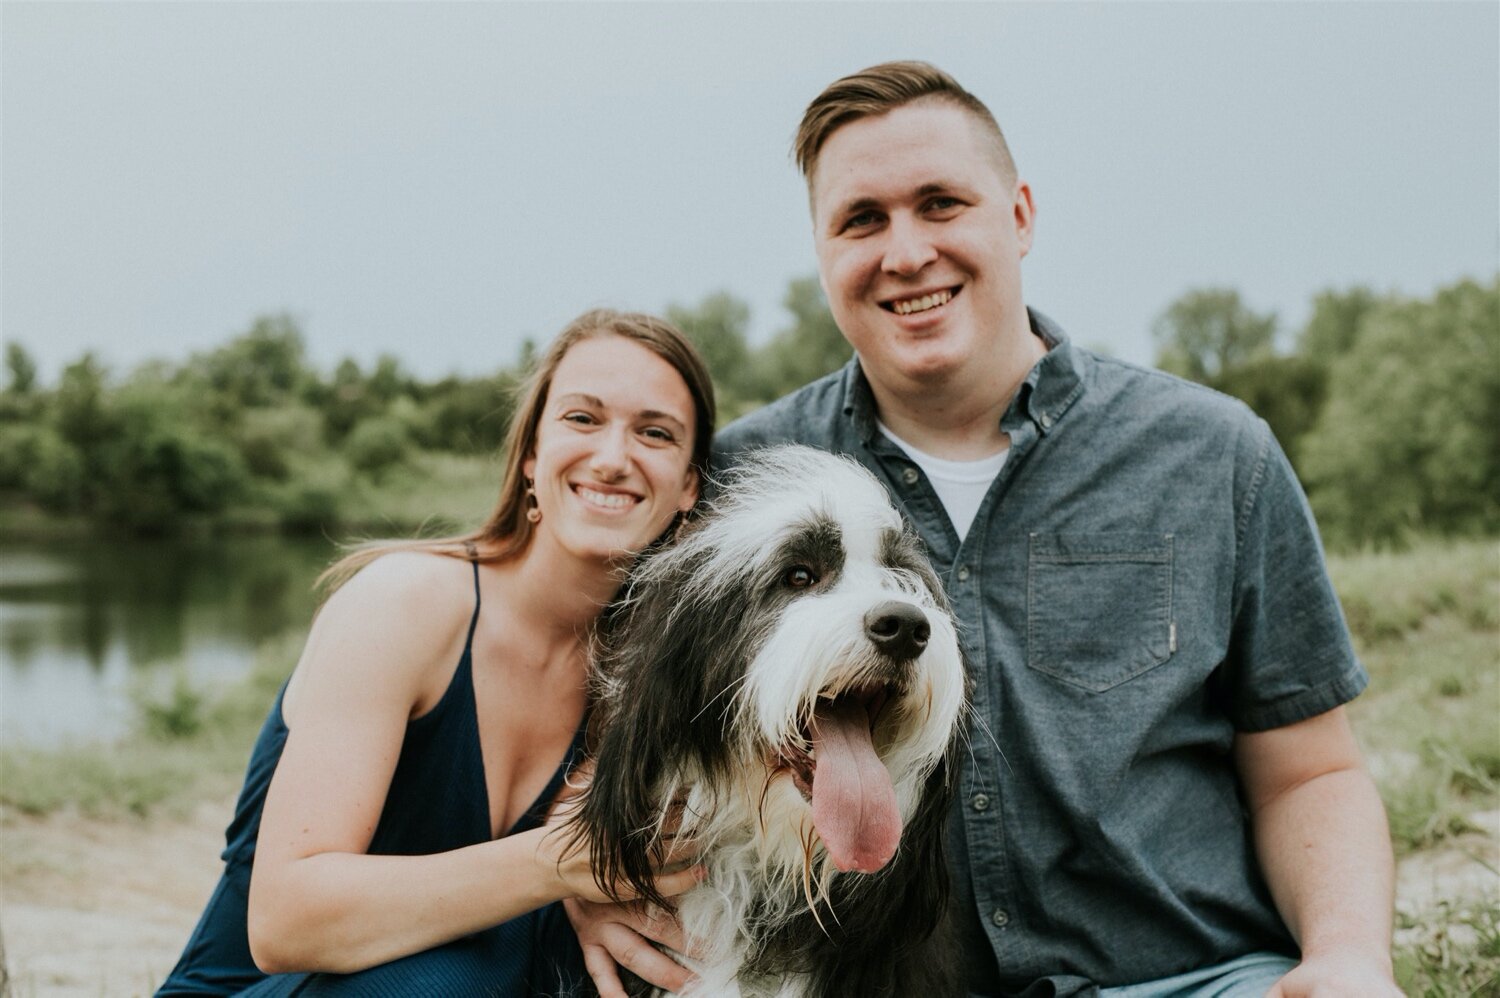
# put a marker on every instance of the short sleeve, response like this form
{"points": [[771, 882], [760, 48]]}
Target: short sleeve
{"points": [[1290, 655]]}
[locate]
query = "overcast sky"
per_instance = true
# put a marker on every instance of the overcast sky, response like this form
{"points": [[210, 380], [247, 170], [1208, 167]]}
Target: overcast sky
{"points": [[439, 181]]}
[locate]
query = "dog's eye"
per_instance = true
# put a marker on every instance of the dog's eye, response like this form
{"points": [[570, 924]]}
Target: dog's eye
{"points": [[799, 577]]}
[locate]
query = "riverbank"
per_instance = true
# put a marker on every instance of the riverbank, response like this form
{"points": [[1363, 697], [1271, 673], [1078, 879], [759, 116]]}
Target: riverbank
{"points": [[108, 853], [428, 492], [99, 906], [102, 907]]}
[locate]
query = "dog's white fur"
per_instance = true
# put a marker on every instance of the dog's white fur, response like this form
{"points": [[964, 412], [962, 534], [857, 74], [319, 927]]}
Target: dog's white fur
{"points": [[766, 864]]}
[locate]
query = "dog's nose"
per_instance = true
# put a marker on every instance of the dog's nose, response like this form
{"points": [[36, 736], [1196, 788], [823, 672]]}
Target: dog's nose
{"points": [[898, 629]]}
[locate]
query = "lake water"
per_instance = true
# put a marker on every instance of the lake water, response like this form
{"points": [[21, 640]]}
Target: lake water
{"points": [[86, 624]]}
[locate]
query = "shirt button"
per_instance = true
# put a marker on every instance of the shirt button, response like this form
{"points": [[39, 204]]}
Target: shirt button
{"points": [[963, 573], [981, 802], [909, 476], [1000, 918]]}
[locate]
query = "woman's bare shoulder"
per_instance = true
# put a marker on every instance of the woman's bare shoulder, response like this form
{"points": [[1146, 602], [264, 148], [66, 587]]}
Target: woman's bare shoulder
{"points": [[413, 584], [399, 615]]}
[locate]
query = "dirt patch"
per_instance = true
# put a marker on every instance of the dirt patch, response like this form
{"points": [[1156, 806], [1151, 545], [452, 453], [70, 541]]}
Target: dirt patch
{"points": [[1434, 885], [91, 907], [94, 908]]}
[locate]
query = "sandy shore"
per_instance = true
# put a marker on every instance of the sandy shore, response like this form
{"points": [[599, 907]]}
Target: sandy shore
{"points": [[102, 908]]}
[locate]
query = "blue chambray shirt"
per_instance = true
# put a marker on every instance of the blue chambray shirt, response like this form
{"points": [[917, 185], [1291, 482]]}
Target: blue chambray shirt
{"points": [[1142, 580]]}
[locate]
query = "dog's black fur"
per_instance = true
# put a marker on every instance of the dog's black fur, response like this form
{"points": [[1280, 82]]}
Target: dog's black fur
{"points": [[668, 663]]}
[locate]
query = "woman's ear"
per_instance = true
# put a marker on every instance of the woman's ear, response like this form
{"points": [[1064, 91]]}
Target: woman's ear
{"points": [[689, 490]]}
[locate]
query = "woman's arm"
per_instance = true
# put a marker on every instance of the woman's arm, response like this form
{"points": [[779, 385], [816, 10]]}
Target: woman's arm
{"points": [[377, 652]]}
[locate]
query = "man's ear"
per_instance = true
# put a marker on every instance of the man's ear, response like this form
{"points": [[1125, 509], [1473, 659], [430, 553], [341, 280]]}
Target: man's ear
{"points": [[1025, 216]]}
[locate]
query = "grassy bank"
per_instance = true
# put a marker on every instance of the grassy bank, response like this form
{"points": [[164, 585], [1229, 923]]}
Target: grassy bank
{"points": [[1426, 622], [187, 747], [427, 492]]}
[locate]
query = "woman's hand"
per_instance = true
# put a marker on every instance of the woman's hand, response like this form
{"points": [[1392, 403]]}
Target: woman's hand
{"points": [[565, 847], [624, 935], [567, 853], [629, 934]]}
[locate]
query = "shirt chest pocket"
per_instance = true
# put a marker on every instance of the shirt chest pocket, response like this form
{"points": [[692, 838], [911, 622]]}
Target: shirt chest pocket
{"points": [[1099, 606]]}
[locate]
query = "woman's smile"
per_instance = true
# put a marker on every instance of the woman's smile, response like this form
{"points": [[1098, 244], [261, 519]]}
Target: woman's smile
{"points": [[606, 499]]}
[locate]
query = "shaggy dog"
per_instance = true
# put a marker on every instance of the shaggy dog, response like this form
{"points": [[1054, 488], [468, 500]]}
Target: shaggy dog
{"points": [[783, 688]]}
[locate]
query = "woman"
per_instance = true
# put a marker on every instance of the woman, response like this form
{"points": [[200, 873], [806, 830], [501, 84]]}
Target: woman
{"points": [[399, 785]]}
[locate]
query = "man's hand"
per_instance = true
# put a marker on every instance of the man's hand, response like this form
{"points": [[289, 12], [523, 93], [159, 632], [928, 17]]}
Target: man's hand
{"points": [[621, 935], [1338, 975]]}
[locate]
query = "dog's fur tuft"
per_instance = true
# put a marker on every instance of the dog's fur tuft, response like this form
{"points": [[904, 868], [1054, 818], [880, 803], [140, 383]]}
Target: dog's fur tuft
{"points": [[799, 597]]}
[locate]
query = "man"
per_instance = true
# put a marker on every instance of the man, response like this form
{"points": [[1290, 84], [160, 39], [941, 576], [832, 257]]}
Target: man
{"points": [[1162, 795]]}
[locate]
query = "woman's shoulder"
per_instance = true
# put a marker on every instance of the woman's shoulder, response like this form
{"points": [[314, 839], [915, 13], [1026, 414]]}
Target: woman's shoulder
{"points": [[400, 604], [420, 589], [395, 626]]}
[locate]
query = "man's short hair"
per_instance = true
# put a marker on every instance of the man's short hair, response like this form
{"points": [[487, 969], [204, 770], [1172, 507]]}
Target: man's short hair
{"points": [[881, 89]]}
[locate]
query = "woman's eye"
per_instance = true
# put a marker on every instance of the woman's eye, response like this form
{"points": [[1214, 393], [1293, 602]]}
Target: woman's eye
{"points": [[581, 418], [658, 433], [799, 577]]}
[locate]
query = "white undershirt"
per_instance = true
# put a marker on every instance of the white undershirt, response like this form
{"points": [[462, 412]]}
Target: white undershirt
{"points": [[960, 485]]}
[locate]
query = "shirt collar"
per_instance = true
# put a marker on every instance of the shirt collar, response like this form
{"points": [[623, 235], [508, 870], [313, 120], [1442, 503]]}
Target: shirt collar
{"points": [[1051, 387]]}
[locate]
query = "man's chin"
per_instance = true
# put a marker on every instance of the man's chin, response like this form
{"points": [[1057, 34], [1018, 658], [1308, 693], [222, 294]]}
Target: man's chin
{"points": [[928, 370]]}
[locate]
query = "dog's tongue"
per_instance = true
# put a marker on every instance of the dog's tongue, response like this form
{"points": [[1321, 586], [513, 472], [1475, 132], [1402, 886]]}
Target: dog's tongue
{"points": [[853, 803]]}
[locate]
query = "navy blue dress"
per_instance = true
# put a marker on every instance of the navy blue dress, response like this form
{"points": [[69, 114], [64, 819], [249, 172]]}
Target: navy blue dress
{"points": [[438, 800]]}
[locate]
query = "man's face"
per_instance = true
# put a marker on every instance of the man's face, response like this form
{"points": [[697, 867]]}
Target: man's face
{"points": [[919, 242]]}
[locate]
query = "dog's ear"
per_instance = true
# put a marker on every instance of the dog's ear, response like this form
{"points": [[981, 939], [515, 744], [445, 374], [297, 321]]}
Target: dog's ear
{"points": [[656, 718]]}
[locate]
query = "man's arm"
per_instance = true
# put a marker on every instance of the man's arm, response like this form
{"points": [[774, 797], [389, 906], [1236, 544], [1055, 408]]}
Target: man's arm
{"points": [[1324, 845]]}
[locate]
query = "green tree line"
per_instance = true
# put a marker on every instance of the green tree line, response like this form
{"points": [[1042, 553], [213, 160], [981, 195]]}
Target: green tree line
{"points": [[251, 433], [1389, 408], [247, 426]]}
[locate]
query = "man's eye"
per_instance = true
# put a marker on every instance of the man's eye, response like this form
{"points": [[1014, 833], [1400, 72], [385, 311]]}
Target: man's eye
{"points": [[942, 204], [799, 577], [863, 220]]}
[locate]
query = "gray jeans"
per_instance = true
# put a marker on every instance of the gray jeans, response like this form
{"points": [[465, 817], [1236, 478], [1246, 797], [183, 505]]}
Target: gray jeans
{"points": [[1248, 977]]}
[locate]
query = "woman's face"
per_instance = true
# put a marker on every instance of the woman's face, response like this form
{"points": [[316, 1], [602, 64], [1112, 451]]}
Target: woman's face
{"points": [[611, 463]]}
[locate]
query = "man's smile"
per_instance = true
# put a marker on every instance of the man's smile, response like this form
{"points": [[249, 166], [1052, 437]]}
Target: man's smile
{"points": [[921, 303]]}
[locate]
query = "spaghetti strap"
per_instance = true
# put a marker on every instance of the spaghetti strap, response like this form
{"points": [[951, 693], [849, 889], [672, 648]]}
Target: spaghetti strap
{"points": [[474, 620]]}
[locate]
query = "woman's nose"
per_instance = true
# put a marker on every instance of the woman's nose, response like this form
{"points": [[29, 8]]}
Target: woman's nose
{"points": [[612, 454]]}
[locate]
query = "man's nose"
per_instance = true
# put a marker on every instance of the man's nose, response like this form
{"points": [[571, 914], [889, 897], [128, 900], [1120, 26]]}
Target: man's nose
{"points": [[908, 248]]}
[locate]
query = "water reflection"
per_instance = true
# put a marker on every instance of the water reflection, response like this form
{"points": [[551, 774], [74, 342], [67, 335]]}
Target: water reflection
{"points": [[82, 621]]}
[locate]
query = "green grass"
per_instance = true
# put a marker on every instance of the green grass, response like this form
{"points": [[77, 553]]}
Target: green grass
{"points": [[1450, 950], [434, 493], [1426, 623]]}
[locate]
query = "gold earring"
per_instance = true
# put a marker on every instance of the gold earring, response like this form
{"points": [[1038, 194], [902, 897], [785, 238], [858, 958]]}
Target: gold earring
{"points": [[533, 511]]}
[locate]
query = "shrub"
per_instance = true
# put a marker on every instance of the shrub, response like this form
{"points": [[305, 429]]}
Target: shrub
{"points": [[377, 444]]}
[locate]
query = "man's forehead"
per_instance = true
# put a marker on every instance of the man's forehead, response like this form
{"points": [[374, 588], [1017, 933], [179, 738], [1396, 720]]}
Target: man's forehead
{"points": [[907, 151]]}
